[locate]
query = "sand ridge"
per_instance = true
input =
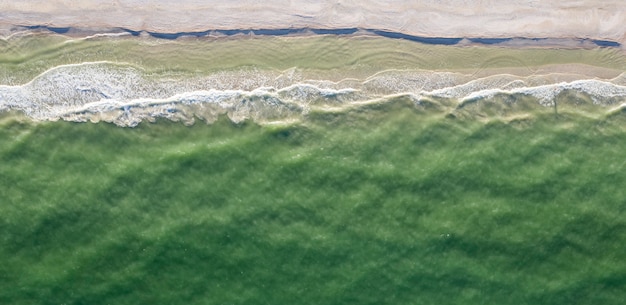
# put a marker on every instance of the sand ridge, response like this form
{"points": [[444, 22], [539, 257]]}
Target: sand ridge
{"points": [[430, 18]]}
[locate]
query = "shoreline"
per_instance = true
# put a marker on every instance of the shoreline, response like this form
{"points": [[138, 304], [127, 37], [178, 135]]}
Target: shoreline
{"points": [[519, 42], [330, 57]]}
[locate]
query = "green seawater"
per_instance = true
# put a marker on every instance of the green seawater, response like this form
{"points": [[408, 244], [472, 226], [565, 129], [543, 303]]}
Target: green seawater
{"points": [[383, 204]]}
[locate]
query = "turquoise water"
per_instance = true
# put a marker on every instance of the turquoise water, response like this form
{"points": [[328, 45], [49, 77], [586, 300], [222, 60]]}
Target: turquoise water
{"points": [[384, 204]]}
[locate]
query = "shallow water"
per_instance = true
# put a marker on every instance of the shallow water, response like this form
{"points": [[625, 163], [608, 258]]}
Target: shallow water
{"points": [[127, 79], [381, 180]]}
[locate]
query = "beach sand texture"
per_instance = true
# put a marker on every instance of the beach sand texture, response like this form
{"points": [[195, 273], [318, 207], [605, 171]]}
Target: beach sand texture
{"points": [[435, 18]]}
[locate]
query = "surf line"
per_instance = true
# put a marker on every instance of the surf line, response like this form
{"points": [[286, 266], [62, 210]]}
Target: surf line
{"points": [[543, 41]]}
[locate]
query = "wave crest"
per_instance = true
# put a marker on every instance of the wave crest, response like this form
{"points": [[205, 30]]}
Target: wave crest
{"points": [[127, 95]]}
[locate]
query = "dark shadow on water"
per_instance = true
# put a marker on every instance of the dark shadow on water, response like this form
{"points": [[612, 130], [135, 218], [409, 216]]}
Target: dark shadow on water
{"points": [[339, 31], [233, 32], [426, 40], [52, 29], [489, 40], [607, 43]]}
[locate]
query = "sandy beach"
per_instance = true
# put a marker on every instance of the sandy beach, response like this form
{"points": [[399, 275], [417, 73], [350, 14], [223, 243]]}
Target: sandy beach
{"points": [[432, 18]]}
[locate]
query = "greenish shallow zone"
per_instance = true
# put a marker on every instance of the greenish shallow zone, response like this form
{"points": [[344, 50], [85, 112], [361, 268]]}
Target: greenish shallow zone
{"points": [[381, 205], [329, 57]]}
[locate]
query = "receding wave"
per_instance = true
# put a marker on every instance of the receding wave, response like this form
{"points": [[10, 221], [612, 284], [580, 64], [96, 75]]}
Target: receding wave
{"points": [[127, 95]]}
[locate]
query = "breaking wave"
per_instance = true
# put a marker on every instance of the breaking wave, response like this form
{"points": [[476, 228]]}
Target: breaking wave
{"points": [[127, 95]]}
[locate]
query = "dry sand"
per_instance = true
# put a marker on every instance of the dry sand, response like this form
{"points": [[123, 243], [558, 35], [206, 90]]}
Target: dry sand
{"points": [[436, 18]]}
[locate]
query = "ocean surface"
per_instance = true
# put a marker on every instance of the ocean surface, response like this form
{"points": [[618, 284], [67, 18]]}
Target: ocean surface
{"points": [[344, 170]]}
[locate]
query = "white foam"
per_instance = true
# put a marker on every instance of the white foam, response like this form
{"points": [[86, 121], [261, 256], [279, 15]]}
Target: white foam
{"points": [[598, 90], [120, 93]]}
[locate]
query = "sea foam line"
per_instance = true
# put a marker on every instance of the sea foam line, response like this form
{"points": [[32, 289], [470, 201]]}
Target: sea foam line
{"points": [[76, 91]]}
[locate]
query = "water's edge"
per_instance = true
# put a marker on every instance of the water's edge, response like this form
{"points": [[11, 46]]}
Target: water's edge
{"points": [[502, 41]]}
